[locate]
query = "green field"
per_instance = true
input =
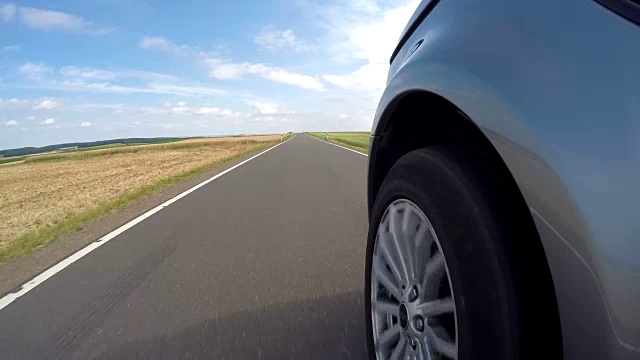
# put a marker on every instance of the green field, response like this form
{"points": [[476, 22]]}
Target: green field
{"points": [[11, 159], [115, 145], [358, 141], [60, 154], [95, 147]]}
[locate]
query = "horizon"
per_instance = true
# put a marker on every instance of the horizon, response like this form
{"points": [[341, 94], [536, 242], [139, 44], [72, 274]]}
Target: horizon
{"points": [[176, 137], [83, 72]]}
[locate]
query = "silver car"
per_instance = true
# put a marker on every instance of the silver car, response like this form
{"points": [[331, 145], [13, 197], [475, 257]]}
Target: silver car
{"points": [[503, 184]]}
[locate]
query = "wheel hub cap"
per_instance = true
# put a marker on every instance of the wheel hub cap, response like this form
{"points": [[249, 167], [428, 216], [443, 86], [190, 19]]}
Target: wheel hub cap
{"points": [[403, 316]]}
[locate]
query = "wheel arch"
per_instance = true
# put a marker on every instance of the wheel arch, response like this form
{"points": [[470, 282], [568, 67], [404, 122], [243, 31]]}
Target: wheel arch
{"points": [[418, 118]]}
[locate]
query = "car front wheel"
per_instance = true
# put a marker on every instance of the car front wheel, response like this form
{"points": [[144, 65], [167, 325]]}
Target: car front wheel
{"points": [[445, 269]]}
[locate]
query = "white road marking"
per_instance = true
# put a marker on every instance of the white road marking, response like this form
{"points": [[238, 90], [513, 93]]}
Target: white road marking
{"points": [[346, 148], [31, 284]]}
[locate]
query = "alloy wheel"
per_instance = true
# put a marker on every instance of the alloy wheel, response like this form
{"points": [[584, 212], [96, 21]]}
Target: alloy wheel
{"points": [[412, 304]]}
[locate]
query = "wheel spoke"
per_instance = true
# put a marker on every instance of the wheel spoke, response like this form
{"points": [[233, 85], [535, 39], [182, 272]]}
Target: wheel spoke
{"points": [[442, 344], [409, 229], [437, 307], [422, 240], [387, 337], [423, 350], [396, 236], [385, 247], [385, 307], [385, 278], [434, 271], [400, 349]]}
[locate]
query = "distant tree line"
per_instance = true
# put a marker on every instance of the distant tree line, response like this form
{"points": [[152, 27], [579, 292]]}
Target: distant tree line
{"points": [[36, 150]]}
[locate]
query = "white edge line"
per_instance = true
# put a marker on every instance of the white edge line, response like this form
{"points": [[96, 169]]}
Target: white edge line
{"points": [[330, 143], [42, 277]]}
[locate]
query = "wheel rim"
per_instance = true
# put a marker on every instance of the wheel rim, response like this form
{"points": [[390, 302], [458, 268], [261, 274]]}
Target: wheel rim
{"points": [[413, 309]]}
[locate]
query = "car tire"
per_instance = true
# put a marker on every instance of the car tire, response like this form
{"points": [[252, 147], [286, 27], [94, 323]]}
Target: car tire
{"points": [[504, 304]]}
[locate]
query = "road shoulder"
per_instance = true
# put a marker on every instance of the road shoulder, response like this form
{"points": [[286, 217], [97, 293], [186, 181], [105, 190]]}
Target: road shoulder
{"points": [[359, 150]]}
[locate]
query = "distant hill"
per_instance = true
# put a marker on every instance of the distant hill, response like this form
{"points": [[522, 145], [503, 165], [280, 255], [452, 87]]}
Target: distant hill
{"points": [[37, 150]]}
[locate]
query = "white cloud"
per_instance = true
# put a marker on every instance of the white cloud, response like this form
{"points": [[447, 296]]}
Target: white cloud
{"points": [[181, 108], [13, 103], [49, 121], [226, 70], [206, 110], [336, 80], [184, 90], [264, 118], [11, 47], [366, 6], [116, 108], [71, 78], [86, 73], [160, 43], [11, 122], [286, 77], [48, 104], [145, 75], [49, 20], [272, 119], [344, 116], [38, 103], [102, 74], [85, 124], [177, 110], [34, 70], [107, 87], [266, 108], [275, 40], [360, 38], [156, 43], [371, 77], [7, 12], [89, 73], [30, 117], [374, 42], [216, 111]]}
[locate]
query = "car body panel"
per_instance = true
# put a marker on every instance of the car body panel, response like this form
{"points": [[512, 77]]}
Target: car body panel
{"points": [[555, 87]]}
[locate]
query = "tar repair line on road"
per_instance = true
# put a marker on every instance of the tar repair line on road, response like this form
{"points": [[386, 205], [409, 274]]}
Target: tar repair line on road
{"points": [[44, 276]]}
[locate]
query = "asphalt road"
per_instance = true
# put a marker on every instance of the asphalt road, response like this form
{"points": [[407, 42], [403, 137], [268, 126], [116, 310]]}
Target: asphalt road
{"points": [[266, 261]]}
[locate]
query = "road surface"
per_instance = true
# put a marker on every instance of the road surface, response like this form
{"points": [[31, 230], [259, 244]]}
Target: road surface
{"points": [[266, 261]]}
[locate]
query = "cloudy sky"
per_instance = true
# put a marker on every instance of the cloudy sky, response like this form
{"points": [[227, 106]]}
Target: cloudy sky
{"points": [[77, 70]]}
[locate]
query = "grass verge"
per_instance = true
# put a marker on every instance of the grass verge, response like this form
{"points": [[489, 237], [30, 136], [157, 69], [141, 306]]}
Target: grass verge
{"points": [[27, 242], [11, 159], [358, 141]]}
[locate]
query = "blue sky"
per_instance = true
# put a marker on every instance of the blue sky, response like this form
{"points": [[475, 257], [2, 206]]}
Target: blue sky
{"points": [[79, 70]]}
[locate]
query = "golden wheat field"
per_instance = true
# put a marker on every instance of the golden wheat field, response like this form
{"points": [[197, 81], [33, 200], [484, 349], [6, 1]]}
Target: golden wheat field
{"points": [[45, 191]]}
